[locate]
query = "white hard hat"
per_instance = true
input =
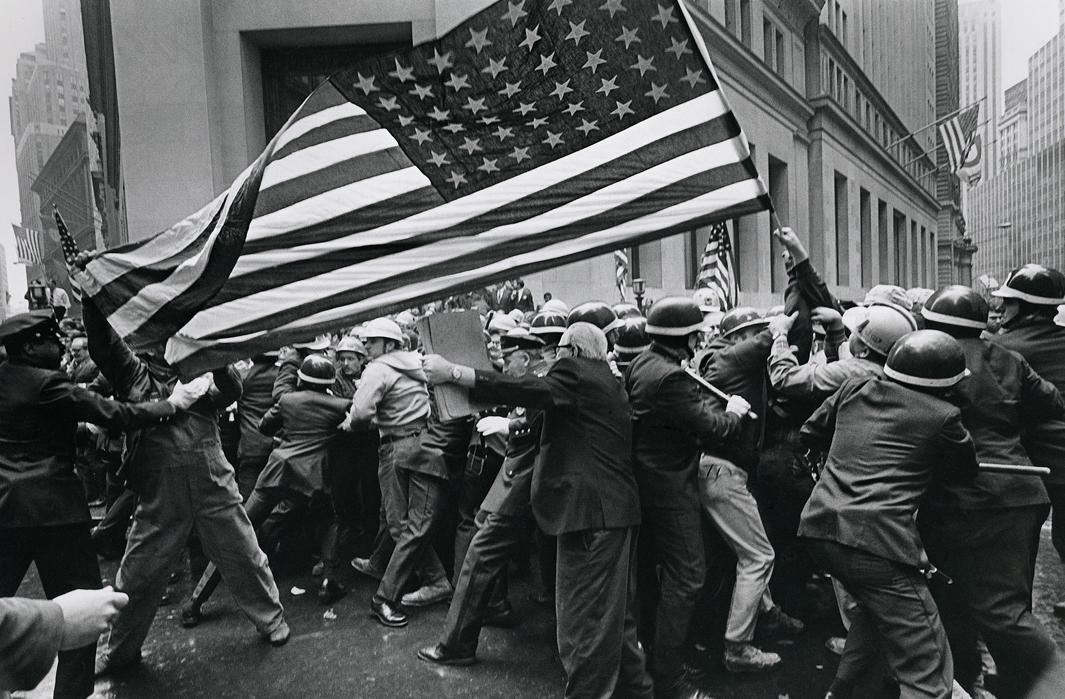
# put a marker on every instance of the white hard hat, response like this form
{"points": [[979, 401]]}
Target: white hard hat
{"points": [[351, 344], [384, 328], [501, 323], [556, 306], [322, 342]]}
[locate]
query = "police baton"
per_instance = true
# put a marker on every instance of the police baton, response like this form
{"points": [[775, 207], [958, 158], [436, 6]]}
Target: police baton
{"points": [[1015, 470], [715, 390]]}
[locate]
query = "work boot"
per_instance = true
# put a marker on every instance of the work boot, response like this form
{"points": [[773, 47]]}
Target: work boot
{"points": [[386, 613], [331, 590], [363, 566], [743, 657], [440, 655], [279, 636], [191, 615], [836, 644], [776, 624], [433, 593]]}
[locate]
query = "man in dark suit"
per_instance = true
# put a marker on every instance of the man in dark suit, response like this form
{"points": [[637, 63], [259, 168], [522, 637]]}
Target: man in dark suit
{"points": [[44, 517], [584, 492]]}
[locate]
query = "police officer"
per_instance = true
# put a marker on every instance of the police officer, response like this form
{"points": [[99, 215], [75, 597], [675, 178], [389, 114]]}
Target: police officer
{"points": [[984, 533], [887, 438], [1030, 299], [672, 417], [43, 514], [632, 340]]}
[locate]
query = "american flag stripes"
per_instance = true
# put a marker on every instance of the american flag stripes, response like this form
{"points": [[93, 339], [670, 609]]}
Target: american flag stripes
{"points": [[716, 267], [27, 244], [621, 271], [536, 133], [958, 134], [70, 251]]}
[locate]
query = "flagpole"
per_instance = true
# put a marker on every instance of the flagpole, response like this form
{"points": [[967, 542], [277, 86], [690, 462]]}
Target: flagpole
{"points": [[926, 153], [934, 123]]}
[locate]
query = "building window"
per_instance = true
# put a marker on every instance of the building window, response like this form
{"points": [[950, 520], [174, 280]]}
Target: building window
{"points": [[745, 22], [781, 65], [900, 243], [778, 192], [842, 248], [865, 215], [882, 240], [768, 44], [730, 18]]}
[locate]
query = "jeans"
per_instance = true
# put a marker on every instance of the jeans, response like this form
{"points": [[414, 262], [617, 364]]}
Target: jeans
{"points": [[896, 614], [191, 490], [730, 505], [424, 497], [594, 605]]}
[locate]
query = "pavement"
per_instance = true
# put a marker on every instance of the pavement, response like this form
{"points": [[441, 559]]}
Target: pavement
{"points": [[340, 651]]}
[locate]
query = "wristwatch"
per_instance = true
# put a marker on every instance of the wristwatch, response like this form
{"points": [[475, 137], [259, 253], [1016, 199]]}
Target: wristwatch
{"points": [[456, 372]]}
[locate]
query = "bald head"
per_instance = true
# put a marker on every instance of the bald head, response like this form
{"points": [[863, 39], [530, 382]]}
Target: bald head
{"points": [[588, 341]]}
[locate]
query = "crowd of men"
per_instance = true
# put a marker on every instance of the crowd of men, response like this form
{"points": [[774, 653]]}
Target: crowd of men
{"points": [[910, 447]]}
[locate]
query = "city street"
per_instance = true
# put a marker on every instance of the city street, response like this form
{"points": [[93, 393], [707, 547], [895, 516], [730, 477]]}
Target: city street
{"points": [[352, 656]]}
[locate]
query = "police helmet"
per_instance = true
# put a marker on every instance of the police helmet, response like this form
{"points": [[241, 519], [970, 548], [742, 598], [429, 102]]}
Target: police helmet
{"points": [[626, 310], [926, 359], [318, 370], [548, 325], [739, 318], [1035, 284], [632, 340], [674, 316], [956, 305], [597, 313]]}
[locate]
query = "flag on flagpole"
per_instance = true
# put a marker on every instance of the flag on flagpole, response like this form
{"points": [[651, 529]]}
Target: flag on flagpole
{"points": [[70, 251], [716, 265], [958, 134], [621, 271], [27, 245], [970, 169], [534, 134]]}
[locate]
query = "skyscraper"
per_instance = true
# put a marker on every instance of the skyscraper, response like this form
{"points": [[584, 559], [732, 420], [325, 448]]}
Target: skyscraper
{"points": [[980, 69]]}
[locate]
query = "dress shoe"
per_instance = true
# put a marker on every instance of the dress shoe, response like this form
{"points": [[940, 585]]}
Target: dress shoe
{"points": [[683, 687], [279, 636], [331, 591], [427, 595], [743, 657], [191, 615], [440, 655], [363, 565], [501, 617], [386, 613]]}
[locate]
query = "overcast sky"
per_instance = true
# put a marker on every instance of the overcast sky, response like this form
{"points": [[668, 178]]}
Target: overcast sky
{"points": [[1026, 25]]}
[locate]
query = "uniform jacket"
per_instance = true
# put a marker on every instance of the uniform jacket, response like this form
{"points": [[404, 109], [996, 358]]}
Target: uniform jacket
{"points": [[585, 478], [740, 368], [1042, 344], [813, 380], [392, 392], [255, 400], [310, 422], [84, 372], [672, 418], [31, 632], [1001, 396], [39, 412], [511, 492], [190, 437], [887, 443]]}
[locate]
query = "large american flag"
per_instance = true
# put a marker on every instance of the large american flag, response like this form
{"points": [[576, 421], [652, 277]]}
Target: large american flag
{"points": [[534, 134], [716, 267], [959, 135]]}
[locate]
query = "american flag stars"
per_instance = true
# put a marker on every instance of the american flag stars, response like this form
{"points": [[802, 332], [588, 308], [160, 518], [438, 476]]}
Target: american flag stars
{"points": [[529, 80]]}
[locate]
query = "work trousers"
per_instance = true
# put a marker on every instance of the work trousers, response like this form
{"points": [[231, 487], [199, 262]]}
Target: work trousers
{"points": [[734, 512], [477, 480], [65, 560], [425, 498], [896, 613], [198, 490], [672, 569], [392, 452], [486, 559], [990, 555], [595, 607]]}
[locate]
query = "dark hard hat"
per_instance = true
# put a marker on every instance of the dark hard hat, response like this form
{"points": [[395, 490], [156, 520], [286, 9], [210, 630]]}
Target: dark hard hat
{"points": [[29, 325], [597, 313], [317, 369], [926, 359], [548, 325], [739, 318], [632, 338], [674, 316], [626, 310], [957, 305], [519, 339], [1035, 284]]}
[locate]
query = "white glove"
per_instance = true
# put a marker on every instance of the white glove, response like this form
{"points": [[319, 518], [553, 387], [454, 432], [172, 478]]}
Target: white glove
{"points": [[493, 424], [737, 405], [185, 394], [87, 614]]}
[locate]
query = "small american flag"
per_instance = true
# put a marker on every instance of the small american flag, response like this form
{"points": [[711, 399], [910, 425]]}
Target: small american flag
{"points": [[70, 251], [716, 265], [27, 244], [621, 271], [534, 134], [959, 134]]}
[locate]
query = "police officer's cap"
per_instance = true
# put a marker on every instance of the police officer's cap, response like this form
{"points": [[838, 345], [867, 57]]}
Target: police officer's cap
{"points": [[519, 339], [957, 305], [28, 326], [1034, 283]]}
